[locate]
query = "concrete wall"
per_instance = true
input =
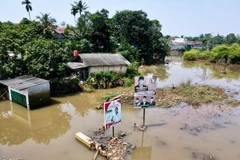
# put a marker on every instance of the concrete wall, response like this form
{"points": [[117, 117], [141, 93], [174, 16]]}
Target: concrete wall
{"points": [[39, 95], [121, 69]]}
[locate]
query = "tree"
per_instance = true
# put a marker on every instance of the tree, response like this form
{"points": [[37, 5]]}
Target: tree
{"points": [[231, 38], [48, 24], [218, 40], [46, 58], [13, 38], [47, 21], [83, 28], [80, 6], [28, 7], [74, 11], [100, 36], [140, 32]]}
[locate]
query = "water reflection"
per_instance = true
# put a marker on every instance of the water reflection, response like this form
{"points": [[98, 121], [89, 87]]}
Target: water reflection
{"points": [[142, 152], [18, 124], [210, 70], [159, 70]]}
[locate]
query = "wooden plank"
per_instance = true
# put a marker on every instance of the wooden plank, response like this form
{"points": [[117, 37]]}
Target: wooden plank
{"points": [[84, 139]]}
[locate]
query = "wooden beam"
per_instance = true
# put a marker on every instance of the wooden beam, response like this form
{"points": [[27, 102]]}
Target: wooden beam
{"points": [[84, 139]]}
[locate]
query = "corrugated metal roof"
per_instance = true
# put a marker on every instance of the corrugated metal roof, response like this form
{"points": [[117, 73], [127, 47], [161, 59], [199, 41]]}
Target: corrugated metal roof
{"points": [[23, 82], [76, 65], [103, 59]]}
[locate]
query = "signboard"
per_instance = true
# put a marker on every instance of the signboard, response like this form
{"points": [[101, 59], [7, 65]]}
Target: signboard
{"points": [[145, 92], [112, 113]]}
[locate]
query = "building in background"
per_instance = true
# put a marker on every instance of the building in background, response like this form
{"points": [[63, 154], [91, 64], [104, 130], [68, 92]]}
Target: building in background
{"points": [[177, 44]]}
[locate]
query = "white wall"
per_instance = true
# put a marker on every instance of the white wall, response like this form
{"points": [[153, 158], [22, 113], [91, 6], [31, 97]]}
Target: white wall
{"points": [[121, 69], [180, 40]]}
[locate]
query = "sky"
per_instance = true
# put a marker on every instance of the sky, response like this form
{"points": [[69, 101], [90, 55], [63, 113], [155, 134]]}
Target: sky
{"points": [[177, 17]]}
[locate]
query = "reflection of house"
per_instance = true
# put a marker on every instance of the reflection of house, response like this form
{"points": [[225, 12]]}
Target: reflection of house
{"points": [[29, 119], [85, 64], [28, 91], [182, 43]]}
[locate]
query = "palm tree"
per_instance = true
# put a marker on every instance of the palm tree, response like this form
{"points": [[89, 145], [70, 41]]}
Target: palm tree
{"points": [[48, 24], [74, 11], [47, 21], [28, 7], [81, 6]]}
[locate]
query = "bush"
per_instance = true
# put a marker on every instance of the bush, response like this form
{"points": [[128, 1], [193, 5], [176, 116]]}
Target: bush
{"points": [[132, 70], [106, 79], [64, 86], [204, 55], [191, 55], [127, 82]]}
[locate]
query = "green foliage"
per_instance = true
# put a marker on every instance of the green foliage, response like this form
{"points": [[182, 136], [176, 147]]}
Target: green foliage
{"points": [[128, 51], [100, 37], [104, 79], [127, 82], [134, 28], [80, 6], [83, 28], [231, 38], [110, 95], [74, 82], [83, 45], [46, 59], [204, 55], [28, 6], [132, 70], [64, 86], [227, 53], [210, 41], [191, 55]]}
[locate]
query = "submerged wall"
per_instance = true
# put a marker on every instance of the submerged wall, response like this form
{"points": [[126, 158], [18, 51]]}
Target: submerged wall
{"points": [[39, 95]]}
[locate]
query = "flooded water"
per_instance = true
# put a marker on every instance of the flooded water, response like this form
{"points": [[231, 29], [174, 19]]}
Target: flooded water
{"points": [[181, 133]]}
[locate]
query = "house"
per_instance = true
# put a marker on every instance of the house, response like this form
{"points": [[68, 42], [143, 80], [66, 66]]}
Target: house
{"points": [[28, 91], [177, 43], [59, 33], [86, 64], [182, 43], [194, 45]]}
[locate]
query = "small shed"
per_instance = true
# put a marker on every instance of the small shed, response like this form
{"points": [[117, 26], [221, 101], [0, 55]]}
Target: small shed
{"points": [[28, 91], [85, 64]]}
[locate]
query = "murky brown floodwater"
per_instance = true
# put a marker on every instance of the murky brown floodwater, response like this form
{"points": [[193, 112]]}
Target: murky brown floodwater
{"points": [[181, 133]]}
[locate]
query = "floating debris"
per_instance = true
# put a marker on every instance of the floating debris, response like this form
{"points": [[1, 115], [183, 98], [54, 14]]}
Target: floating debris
{"points": [[113, 148]]}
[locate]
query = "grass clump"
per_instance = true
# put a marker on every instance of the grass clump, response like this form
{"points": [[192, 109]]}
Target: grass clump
{"points": [[192, 94], [109, 96], [234, 103]]}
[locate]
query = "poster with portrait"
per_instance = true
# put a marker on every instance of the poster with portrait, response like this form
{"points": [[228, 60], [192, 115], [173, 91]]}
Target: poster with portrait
{"points": [[144, 101], [145, 92], [112, 113]]}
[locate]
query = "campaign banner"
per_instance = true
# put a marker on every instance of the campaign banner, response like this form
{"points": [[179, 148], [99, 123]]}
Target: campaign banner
{"points": [[144, 101], [145, 91], [112, 113]]}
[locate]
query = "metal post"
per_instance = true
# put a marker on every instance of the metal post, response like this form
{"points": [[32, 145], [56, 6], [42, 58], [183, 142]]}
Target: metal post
{"points": [[113, 131], [143, 117]]}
